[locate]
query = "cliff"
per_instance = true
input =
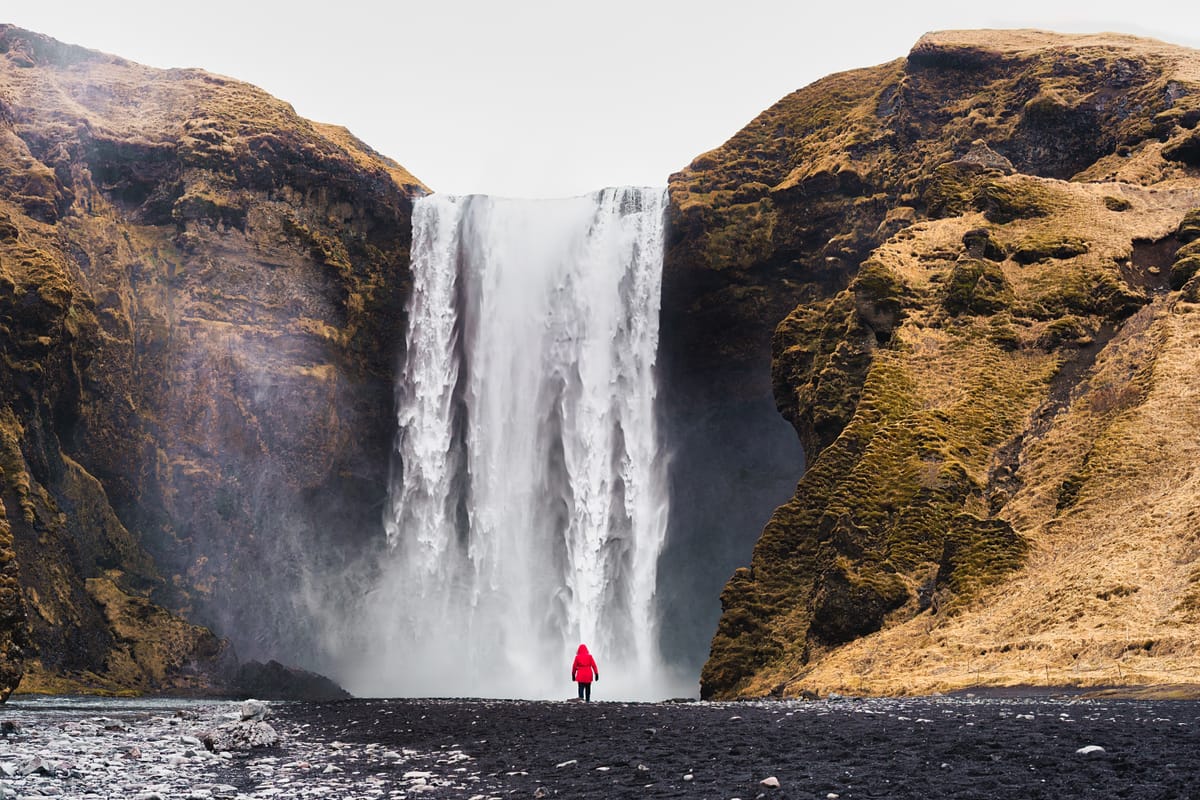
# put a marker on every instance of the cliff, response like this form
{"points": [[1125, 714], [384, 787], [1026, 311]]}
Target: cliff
{"points": [[200, 315], [988, 253]]}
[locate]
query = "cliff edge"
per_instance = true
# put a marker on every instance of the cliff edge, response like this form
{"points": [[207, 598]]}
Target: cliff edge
{"points": [[200, 308], [990, 250]]}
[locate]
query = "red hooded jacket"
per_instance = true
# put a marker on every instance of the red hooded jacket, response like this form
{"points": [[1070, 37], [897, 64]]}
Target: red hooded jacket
{"points": [[584, 670]]}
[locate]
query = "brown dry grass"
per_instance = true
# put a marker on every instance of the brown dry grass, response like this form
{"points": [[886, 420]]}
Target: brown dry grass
{"points": [[1110, 592], [1104, 596]]}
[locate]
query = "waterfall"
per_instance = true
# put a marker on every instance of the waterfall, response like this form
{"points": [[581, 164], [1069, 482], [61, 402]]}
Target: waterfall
{"points": [[527, 509]]}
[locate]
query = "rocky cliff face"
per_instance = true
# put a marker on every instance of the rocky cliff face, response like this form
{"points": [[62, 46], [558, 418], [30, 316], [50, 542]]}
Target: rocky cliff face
{"points": [[200, 300], [980, 266]]}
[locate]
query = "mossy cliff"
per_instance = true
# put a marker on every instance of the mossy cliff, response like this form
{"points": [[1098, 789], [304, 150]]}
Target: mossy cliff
{"points": [[987, 255], [200, 301]]}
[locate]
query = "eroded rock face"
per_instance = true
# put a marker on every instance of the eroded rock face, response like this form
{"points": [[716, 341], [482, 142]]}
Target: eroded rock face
{"points": [[201, 298], [949, 250]]}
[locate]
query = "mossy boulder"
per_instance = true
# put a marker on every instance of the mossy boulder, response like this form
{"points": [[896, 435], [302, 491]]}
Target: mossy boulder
{"points": [[1043, 245], [1183, 270], [1184, 149], [977, 286], [980, 243], [953, 189], [1189, 226], [1066, 331], [878, 298], [1019, 198]]}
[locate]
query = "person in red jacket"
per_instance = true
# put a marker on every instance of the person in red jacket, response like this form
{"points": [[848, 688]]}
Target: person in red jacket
{"points": [[584, 671]]}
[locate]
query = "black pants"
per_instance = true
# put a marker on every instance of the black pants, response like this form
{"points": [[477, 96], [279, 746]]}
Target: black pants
{"points": [[585, 691]]}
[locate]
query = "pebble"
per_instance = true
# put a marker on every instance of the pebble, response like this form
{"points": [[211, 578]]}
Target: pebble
{"points": [[772, 782], [148, 749], [1090, 750]]}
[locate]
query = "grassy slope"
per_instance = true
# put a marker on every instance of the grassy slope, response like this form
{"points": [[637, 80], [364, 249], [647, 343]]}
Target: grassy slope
{"points": [[1008, 499]]}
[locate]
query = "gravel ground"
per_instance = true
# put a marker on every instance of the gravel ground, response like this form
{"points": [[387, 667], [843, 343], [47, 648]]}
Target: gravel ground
{"points": [[951, 747], [969, 747]]}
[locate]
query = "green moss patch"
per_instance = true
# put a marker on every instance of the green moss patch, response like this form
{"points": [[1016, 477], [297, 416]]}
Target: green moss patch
{"points": [[977, 286], [1003, 201], [1046, 245], [1189, 227], [744, 238]]}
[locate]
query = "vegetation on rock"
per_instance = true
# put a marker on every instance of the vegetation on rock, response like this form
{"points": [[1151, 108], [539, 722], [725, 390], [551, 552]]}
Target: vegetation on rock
{"points": [[981, 242], [200, 302]]}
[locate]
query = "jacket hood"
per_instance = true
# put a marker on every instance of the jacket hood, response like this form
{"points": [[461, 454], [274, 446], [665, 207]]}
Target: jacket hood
{"points": [[582, 649]]}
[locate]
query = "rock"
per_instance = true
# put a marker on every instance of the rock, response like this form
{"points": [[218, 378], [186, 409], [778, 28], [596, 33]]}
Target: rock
{"points": [[243, 735], [274, 681], [32, 766], [153, 160], [255, 710], [1091, 750], [9, 727], [771, 782]]}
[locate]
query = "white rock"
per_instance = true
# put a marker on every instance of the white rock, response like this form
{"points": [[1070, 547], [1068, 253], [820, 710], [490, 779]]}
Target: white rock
{"points": [[255, 710], [689, 777], [772, 782], [566, 763], [1090, 750], [244, 735]]}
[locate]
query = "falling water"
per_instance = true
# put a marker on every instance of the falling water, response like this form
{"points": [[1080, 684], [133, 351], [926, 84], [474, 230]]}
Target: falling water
{"points": [[528, 503]]}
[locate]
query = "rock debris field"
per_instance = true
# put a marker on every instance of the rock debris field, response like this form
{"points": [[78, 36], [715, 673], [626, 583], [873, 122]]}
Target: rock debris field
{"points": [[941, 747]]}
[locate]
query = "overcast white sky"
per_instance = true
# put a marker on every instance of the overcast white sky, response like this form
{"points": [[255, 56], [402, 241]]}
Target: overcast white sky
{"points": [[548, 98]]}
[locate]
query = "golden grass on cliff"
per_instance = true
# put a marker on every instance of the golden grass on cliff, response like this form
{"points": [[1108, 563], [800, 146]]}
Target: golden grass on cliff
{"points": [[1108, 595]]}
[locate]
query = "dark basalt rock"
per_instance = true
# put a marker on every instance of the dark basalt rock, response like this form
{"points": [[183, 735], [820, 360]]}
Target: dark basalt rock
{"points": [[274, 681]]}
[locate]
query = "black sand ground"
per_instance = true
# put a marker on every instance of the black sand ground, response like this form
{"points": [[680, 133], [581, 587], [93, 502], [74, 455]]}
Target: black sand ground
{"points": [[969, 747]]}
